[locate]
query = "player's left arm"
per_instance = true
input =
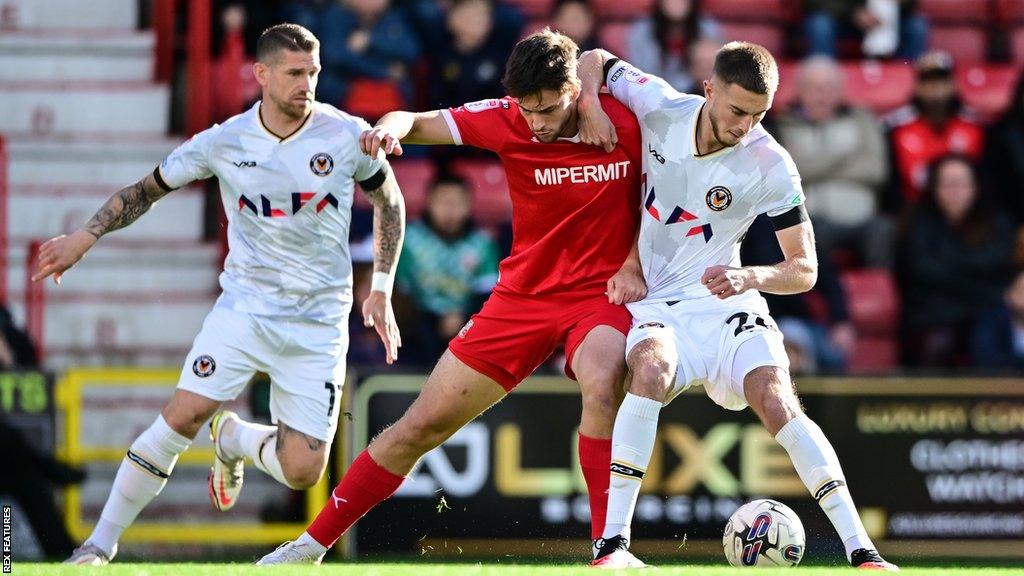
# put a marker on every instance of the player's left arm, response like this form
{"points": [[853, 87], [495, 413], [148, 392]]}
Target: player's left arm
{"points": [[388, 233], [795, 274]]}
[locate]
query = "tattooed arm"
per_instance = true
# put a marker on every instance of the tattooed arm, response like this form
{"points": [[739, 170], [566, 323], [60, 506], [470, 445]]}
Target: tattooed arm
{"points": [[388, 233], [126, 206]]}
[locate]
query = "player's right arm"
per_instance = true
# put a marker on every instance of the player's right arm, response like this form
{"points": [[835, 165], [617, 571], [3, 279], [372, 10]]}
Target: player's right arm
{"points": [[409, 127], [124, 207]]}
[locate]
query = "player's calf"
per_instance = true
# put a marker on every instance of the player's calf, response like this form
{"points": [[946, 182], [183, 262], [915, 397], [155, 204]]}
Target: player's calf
{"points": [[303, 458]]}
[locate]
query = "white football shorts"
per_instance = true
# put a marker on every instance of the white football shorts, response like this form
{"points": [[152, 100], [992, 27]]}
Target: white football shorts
{"points": [[304, 359], [718, 343]]}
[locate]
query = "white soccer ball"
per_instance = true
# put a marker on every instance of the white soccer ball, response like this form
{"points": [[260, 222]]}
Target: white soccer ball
{"points": [[764, 533]]}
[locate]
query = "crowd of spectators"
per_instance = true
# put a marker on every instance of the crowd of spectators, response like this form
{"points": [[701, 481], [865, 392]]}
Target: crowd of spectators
{"points": [[926, 192]]}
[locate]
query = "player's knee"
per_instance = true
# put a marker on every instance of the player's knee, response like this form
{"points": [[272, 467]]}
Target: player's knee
{"points": [[302, 475], [652, 379], [770, 393]]}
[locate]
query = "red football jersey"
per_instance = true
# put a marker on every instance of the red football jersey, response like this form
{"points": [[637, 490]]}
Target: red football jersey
{"points": [[575, 207]]}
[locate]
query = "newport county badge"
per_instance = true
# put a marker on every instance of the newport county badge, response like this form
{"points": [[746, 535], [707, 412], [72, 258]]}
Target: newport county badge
{"points": [[204, 366], [718, 198], [321, 164]]}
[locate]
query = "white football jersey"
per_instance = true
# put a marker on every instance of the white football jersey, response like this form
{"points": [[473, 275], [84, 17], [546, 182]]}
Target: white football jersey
{"points": [[697, 208], [288, 202]]}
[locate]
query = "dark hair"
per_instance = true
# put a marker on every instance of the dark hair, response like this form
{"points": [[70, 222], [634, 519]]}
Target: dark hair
{"points": [[1014, 113], [751, 66], [448, 179], [977, 225], [285, 37], [544, 60], [664, 28]]}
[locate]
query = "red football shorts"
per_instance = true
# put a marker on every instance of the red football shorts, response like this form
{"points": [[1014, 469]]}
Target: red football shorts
{"points": [[513, 333]]}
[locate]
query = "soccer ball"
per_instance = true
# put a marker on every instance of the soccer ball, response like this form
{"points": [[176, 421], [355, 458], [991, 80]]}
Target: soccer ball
{"points": [[764, 533]]}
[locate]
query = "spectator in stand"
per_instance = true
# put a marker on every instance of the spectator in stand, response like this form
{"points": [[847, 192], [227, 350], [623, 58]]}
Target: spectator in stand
{"points": [[467, 67], [955, 264], [249, 17], [360, 39], [816, 343], [998, 340], [702, 60], [16, 349], [1004, 156], [447, 267], [660, 43], [932, 125], [888, 27], [576, 19], [841, 154]]}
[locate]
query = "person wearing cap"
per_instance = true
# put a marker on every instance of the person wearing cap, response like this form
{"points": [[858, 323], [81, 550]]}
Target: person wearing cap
{"points": [[934, 124]]}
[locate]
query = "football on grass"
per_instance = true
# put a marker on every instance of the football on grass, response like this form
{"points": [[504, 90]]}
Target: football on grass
{"points": [[764, 533]]}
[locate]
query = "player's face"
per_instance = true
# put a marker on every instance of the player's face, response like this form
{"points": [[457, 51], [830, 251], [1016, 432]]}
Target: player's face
{"points": [[289, 81], [550, 114], [734, 110], [955, 189]]}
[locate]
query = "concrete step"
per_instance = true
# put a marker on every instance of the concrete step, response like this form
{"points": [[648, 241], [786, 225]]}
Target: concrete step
{"points": [[93, 14], [111, 161], [44, 212], [84, 107], [127, 272], [76, 55], [156, 333]]}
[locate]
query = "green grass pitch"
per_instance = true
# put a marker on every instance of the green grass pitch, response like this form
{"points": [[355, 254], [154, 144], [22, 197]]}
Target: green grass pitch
{"points": [[473, 569]]}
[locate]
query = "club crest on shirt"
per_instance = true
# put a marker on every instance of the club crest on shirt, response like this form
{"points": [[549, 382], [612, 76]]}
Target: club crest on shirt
{"points": [[204, 366], [718, 198], [321, 164]]}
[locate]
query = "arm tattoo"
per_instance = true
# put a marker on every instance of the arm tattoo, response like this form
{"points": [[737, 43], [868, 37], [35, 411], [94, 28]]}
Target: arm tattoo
{"points": [[388, 224], [125, 207]]}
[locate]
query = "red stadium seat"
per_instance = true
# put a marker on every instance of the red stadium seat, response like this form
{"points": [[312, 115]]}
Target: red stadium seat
{"points": [[767, 35], [1017, 45], [372, 99], [492, 204], [873, 355], [622, 9], [746, 10], [987, 88], [873, 301], [614, 37], [955, 11], [786, 94], [1010, 11], [967, 44], [534, 26], [534, 8], [879, 86]]}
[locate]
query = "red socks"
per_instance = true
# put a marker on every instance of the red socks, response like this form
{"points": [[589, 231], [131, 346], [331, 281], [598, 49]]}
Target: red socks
{"points": [[364, 486], [595, 460]]}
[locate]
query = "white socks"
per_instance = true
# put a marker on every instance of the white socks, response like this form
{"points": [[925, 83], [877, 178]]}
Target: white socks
{"points": [[255, 441], [636, 426], [142, 476], [818, 466]]}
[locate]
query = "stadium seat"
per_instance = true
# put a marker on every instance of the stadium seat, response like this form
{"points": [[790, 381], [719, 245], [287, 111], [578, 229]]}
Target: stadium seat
{"points": [[967, 44], [879, 86], [746, 10], [955, 11], [786, 93], [492, 204], [614, 37], [372, 99], [767, 35], [987, 89], [1010, 11], [1017, 45], [621, 9], [873, 301], [873, 355], [534, 8]]}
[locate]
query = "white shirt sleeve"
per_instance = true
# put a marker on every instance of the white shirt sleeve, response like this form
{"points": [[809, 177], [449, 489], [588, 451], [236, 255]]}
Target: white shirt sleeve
{"points": [[784, 190], [188, 162], [366, 167], [640, 92]]}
